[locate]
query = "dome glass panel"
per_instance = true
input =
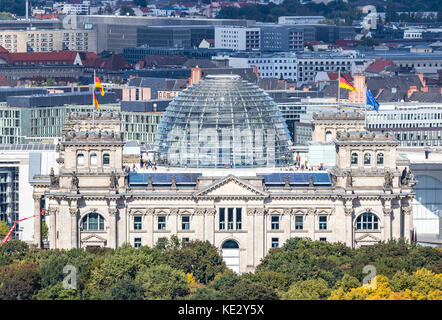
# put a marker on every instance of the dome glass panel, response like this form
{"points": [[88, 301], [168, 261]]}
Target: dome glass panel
{"points": [[223, 121]]}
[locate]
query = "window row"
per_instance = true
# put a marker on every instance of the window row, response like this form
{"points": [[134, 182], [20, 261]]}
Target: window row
{"points": [[367, 158], [229, 219], [93, 159]]}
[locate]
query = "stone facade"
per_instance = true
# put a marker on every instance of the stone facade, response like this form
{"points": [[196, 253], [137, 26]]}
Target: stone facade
{"points": [[327, 124], [94, 202]]}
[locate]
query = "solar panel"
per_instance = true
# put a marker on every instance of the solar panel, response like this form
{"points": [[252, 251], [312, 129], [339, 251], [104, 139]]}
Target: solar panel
{"points": [[297, 178], [163, 178]]}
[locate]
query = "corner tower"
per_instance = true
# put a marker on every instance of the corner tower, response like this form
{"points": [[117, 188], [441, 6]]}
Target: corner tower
{"points": [[84, 199]]}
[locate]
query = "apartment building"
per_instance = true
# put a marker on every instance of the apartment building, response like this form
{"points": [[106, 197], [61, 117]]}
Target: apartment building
{"points": [[44, 40]]}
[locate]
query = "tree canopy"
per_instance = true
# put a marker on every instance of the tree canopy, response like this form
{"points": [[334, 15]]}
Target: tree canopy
{"points": [[300, 269]]}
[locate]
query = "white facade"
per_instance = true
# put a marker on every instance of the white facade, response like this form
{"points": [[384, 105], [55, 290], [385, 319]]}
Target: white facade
{"points": [[237, 38], [94, 203], [29, 160], [303, 67]]}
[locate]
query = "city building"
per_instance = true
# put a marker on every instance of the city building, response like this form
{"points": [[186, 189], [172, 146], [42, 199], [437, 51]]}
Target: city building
{"points": [[303, 67], [243, 211], [19, 164], [238, 38], [46, 40], [174, 36], [300, 19], [413, 124]]}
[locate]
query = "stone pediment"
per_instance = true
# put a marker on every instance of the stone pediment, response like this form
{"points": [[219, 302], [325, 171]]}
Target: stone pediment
{"points": [[93, 238], [367, 237], [230, 186]]}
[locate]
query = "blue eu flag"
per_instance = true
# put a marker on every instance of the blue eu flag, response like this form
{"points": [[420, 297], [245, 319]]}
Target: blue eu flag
{"points": [[372, 101]]}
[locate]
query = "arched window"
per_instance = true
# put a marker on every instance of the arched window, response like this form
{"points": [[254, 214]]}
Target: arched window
{"points": [[93, 159], [380, 158], [328, 136], [354, 158], [80, 159], [367, 221], [230, 244], [230, 254], [92, 222], [367, 159], [106, 159]]}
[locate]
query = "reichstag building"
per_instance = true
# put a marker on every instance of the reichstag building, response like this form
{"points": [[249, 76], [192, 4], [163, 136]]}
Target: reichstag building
{"points": [[223, 153]]}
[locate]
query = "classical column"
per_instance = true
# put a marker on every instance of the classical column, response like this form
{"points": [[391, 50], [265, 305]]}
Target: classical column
{"points": [[349, 226], [311, 221], [53, 228], [37, 221], [396, 225], [74, 227], [174, 220], [407, 221], [113, 227], [387, 223]]}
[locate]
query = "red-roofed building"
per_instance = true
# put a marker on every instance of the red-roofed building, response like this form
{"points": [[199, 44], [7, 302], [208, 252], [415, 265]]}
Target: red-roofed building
{"points": [[379, 66], [112, 63], [40, 58], [47, 15]]}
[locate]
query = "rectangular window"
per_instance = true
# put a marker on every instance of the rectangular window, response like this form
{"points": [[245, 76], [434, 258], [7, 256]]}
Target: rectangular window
{"points": [[230, 218], [322, 239], [161, 222], [137, 223], [185, 222], [238, 218], [137, 242], [275, 222], [222, 218], [186, 239], [322, 222], [299, 223], [275, 242]]}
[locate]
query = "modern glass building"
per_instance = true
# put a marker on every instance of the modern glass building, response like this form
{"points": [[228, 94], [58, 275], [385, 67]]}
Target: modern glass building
{"points": [[223, 121]]}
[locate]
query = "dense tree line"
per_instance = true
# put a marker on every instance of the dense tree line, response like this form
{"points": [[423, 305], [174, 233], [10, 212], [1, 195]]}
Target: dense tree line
{"points": [[301, 269]]}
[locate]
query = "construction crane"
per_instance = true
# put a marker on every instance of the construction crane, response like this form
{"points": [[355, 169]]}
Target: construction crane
{"points": [[8, 235]]}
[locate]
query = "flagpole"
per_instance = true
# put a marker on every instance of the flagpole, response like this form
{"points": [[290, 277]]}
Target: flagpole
{"points": [[366, 122], [339, 82], [93, 103]]}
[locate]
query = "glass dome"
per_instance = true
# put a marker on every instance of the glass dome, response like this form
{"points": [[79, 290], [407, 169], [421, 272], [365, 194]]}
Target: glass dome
{"points": [[223, 121]]}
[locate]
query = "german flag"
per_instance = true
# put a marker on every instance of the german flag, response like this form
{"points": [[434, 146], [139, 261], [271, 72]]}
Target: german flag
{"points": [[96, 102], [98, 85], [346, 85]]}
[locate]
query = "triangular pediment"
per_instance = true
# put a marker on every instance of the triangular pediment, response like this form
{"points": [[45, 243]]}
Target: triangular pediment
{"points": [[93, 238], [367, 237], [230, 186]]}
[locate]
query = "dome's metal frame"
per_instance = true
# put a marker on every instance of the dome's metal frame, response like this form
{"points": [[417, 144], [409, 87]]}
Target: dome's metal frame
{"points": [[223, 121]]}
